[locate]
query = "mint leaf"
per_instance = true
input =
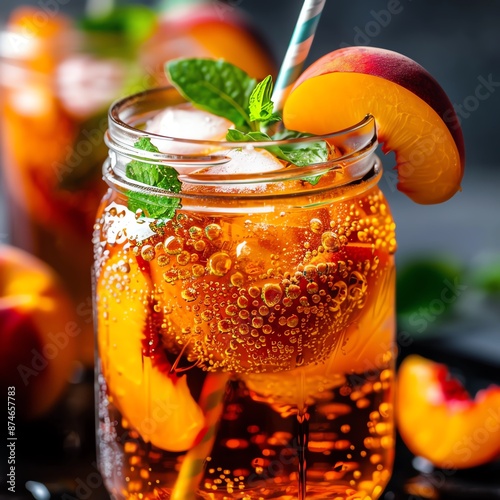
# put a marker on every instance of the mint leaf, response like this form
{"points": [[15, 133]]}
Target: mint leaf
{"points": [[303, 154], [486, 274], [234, 135], [260, 103], [307, 154], [419, 282], [162, 176], [145, 144], [214, 86]]}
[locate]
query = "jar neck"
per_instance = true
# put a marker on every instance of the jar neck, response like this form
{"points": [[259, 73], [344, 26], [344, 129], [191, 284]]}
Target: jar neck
{"points": [[201, 167]]}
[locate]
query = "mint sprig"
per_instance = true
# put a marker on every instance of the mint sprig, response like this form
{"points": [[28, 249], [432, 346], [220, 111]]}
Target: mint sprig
{"points": [[162, 176], [225, 90]]}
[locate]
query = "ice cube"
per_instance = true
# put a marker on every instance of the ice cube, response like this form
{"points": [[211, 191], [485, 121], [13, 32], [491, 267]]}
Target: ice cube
{"points": [[184, 121], [244, 160]]}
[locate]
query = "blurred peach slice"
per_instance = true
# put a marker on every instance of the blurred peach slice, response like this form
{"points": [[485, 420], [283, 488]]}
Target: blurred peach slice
{"points": [[438, 420], [206, 31], [38, 332]]}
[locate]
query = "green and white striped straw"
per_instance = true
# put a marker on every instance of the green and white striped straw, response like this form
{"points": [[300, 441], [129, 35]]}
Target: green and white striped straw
{"points": [[300, 43]]}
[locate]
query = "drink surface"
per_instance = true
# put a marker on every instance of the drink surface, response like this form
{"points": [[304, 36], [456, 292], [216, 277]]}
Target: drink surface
{"points": [[246, 353]]}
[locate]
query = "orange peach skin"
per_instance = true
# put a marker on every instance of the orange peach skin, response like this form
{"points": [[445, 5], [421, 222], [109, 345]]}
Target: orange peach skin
{"points": [[440, 422], [38, 332], [414, 116]]}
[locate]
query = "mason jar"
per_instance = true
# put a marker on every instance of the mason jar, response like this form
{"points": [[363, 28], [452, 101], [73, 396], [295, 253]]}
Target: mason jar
{"points": [[245, 323]]}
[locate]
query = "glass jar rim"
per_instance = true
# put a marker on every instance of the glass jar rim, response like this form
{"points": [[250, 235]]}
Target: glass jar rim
{"points": [[127, 115], [123, 130]]}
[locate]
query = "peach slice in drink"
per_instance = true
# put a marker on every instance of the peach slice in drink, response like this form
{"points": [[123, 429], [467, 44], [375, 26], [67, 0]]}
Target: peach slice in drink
{"points": [[132, 358], [354, 351], [267, 305], [414, 117]]}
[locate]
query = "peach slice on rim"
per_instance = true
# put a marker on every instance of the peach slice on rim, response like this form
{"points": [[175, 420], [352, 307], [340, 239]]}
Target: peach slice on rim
{"points": [[414, 116]]}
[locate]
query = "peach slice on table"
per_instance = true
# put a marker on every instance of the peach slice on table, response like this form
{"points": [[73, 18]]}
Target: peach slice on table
{"points": [[38, 330], [156, 403], [414, 116], [439, 421]]}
